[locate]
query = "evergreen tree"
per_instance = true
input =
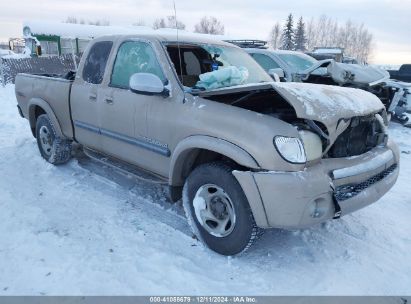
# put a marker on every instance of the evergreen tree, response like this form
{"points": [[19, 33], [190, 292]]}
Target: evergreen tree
{"points": [[287, 41], [300, 36]]}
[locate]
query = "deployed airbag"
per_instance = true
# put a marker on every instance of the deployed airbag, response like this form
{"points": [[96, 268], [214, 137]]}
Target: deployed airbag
{"points": [[225, 77]]}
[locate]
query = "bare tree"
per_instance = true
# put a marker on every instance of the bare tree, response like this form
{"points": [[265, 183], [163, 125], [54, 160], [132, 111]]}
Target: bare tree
{"points": [[275, 36], [74, 20], [71, 19], [159, 23], [139, 22], [355, 39], [102, 22], [311, 34], [209, 25], [169, 22], [173, 23]]}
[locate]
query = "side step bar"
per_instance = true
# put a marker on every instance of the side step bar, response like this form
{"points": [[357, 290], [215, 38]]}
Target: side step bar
{"points": [[123, 167]]}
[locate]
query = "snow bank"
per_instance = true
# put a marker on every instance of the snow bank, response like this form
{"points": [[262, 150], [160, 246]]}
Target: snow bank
{"points": [[83, 229], [8, 54]]}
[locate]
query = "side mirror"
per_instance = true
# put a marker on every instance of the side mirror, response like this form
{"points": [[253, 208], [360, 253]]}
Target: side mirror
{"points": [[276, 74], [38, 50], [147, 84]]}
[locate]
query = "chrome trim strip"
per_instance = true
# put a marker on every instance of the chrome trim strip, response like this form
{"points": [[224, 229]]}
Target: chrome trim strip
{"points": [[87, 126], [370, 165], [124, 138]]}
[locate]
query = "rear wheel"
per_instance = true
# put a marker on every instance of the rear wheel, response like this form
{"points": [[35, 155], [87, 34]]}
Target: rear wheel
{"points": [[218, 210], [56, 150]]}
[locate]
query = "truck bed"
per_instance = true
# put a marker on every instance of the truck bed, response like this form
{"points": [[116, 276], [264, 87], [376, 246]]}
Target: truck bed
{"points": [[54, 90]]}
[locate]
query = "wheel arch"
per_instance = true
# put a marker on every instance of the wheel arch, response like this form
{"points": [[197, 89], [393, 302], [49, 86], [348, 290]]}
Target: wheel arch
{"points": [[198, 149], [36, 107]]}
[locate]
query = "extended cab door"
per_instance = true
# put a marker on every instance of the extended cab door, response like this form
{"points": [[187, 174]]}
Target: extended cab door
{"points": [[124, 113], [85, 95]]}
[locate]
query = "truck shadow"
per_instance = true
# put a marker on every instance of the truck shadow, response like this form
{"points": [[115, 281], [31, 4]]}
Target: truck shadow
{"points": [[152, 198]]}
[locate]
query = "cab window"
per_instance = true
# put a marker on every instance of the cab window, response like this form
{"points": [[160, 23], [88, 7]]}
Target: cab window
{"points": [[96, 61], [134, 57], [194, 61], [265, 61]]}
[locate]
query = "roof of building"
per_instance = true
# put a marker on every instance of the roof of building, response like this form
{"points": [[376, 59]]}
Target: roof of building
{"points": [[85, 31]]}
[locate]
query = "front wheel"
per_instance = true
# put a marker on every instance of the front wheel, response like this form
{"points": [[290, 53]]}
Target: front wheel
{"points": [[218, 210], [56, 150]]}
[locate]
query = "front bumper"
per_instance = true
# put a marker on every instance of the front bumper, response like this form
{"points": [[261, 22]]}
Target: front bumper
{"points": [[301, 199]]}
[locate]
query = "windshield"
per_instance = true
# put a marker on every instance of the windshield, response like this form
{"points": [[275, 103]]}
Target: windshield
{"points": [[299, 62], [229, 65]]}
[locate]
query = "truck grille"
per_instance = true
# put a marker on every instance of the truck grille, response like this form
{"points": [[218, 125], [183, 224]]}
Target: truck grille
{"points": [[345, 192], [362, 135]]}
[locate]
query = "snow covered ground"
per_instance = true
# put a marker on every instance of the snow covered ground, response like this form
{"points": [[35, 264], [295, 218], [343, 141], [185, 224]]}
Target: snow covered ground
{"points": [[83, 229]]}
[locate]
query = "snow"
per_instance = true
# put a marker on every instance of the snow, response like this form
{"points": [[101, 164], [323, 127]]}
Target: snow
{"points": [[5, 52], [199, 204], [68, 30], [12, 55], [387, 66], [329, 102], [85, 31], [8, 54], [328, 51], [84, 229]]}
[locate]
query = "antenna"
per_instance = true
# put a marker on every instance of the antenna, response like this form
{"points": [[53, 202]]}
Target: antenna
{"points": [[178, 43], [73, 55]]}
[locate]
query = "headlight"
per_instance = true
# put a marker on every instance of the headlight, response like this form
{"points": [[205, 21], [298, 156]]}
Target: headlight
{"points": [[291, 149], [312, 145]]}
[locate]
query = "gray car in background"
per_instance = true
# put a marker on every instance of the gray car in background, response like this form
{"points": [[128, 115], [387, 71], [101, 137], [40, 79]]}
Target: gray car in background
{"points": [[293, 66]]}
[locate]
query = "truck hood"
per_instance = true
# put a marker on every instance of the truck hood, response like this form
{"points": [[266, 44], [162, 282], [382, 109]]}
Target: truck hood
{"points": [[323, 103], [343, 73], [328, 104]]}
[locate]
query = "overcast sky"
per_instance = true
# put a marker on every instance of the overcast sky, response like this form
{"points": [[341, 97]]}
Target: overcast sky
{"points": [[388, 20]]}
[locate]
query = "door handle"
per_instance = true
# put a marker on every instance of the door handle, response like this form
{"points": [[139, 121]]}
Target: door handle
{"points": [[109, 100], [92, 97]]}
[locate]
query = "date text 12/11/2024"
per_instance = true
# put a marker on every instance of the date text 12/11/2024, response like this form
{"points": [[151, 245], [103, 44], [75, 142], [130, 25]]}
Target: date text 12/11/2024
{"points": [[203, 299]]}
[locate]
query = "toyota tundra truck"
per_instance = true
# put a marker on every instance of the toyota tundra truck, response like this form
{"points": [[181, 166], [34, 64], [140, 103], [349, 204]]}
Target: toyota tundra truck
{"points": [[244, 153]]}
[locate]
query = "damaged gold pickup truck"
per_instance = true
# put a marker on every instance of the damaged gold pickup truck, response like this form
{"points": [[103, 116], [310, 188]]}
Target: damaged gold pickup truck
{"points": [[243, 152]]}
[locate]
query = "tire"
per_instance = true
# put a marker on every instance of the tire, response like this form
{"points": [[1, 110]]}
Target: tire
{"points": [[211, 191], [54, 149]]}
